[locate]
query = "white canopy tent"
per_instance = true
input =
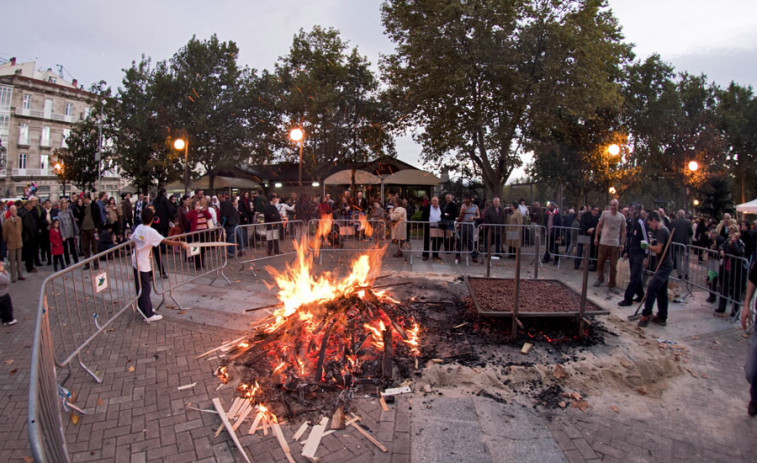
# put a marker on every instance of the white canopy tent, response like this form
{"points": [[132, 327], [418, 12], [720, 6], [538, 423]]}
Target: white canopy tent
{"points": [[224, 182], [344, 177], [412, 177], [748, 208]]}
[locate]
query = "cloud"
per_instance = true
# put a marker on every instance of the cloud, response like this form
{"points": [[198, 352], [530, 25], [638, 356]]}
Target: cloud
{"points": [[721, 66]]}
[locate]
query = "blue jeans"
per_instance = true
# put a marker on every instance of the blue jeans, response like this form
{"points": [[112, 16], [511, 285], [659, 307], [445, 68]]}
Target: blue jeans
{"points": [[466, 237]]}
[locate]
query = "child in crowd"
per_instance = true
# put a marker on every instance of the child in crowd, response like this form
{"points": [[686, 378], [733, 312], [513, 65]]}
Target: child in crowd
{"points": [[56, 242], [6, 306]]}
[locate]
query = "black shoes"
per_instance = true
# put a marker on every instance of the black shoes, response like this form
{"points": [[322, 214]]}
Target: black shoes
{"points": [[643, 322], [625, 303], [638, 298], [752, 408], [712, 298], [659, 321]]}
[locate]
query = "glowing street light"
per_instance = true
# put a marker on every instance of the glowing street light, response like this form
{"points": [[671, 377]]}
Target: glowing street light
{"points": [[612, 190], [181, 144], [613, 149], [693, 166], [695, 202], [298, 136]]}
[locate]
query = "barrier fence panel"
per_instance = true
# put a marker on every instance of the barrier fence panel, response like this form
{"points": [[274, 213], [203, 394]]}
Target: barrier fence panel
{"points": [[722, 276], [348, 235], [174, 267], [427, 241], [76, 305], [261, 241]]}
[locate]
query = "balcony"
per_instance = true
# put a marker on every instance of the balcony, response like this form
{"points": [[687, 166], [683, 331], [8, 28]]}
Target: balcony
{"points": [[32, 173], [42, 115]]}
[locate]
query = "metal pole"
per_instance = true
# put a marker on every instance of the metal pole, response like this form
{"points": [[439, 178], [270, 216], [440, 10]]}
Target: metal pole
{"points": [[100, 149], [516, 306], [186, 168], [302, 142], [584, 285]]}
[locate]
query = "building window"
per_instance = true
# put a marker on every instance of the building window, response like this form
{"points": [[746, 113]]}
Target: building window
{"points": [[5, 98], [69, 109], [48, 108], [27, 102], [87, 112], [45, 140], [22, 161], [44, 161], [66, 133], [5, 122], [23, 134]]}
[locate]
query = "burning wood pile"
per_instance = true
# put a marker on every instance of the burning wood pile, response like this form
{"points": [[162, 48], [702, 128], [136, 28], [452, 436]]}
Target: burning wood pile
{"points": [[328, 340]]}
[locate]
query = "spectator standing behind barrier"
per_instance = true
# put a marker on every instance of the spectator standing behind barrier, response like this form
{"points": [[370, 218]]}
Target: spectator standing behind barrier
{"points": [[658, 286], [432, 231], [682, 233], [450, 212], [6, 305], [69, 230], [732, 271], [514, 228], [128, 212], [611, 238], [398, 216], [56, 245], [45, 220], [12, 232], [199, 219], [230, 220], [29, 236], [588, 226], [636, 255], [145, 239], [553, 222], [469, 213], [271, 216], [40, 223], [89, 228], [495, 216]]}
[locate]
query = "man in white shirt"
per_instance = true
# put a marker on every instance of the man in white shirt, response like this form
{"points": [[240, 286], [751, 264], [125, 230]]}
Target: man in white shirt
{"points": [[145, 238]]}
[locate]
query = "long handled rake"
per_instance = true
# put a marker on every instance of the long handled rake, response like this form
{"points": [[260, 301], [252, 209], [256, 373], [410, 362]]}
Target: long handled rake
{"points": [[636, 315]]}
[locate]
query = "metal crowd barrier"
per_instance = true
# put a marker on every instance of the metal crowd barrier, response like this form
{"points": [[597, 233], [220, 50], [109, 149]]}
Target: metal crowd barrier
{"points": [[76, 305], [562, 243], [347, 235], [175, 267], [253, 240], [423, 239], [704, 269]]}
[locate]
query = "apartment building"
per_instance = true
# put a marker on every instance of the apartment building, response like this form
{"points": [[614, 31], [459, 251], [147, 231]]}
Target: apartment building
{"points": [[37, 110]]}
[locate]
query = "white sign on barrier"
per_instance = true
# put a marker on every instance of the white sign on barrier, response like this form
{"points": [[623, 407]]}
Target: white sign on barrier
{"points": [[194, 251], [101, 282]]}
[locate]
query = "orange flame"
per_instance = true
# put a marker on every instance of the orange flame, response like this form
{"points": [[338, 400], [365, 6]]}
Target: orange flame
{"points": [[366, 226]]}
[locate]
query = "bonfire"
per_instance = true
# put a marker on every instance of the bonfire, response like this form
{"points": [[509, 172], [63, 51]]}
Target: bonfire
{"points": [[329, 338]]}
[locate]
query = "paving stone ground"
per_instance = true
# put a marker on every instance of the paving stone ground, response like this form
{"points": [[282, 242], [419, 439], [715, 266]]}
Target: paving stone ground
{"points": [[140, 416]]}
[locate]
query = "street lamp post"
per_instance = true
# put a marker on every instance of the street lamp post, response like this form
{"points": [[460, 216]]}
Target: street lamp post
{"points": [[613, 150], [298, 136], [58, 167], [693, 166], [181, 144]]}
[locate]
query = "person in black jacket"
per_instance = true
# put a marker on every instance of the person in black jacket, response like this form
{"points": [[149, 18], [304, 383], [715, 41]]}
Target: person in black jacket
{"points": [[28, 235], [450, 211], [636, 255], [271, 215], [494, 215], [162, 212], [230, 219], [588, 226]]}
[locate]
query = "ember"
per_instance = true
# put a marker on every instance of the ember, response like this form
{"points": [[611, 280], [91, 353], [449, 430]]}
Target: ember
{"points": [[329, 337]]}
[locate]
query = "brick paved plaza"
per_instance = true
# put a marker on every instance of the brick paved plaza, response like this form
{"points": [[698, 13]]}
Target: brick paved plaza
{"points": [[139, 415]]}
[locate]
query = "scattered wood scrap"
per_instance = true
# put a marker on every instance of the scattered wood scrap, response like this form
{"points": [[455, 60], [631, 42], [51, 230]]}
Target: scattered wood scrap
{"points": [[314, 440], [365, 433], [526, 348], [227, 425], [282, 441], [301, 431]]}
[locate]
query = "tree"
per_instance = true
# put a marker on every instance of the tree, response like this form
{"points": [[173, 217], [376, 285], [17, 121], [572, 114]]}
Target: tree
{"points": [[142, 128], [737, 114], [78, 160], [483, 79], [214, 105], [333, 96]]}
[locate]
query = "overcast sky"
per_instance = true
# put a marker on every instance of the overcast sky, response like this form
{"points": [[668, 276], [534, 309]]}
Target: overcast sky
{"points": [[95, 40]]}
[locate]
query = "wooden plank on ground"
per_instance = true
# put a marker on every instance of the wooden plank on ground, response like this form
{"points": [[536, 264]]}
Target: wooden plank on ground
{"points": [[368, 436], [282, 441], [243, 415], [300, 431], [314, 439], [227, 425]]}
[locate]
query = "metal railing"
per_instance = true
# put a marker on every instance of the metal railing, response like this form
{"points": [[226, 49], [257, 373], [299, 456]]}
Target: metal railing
{"points": [[174, 267], [76, 305], [261, 241], [348, 235]]}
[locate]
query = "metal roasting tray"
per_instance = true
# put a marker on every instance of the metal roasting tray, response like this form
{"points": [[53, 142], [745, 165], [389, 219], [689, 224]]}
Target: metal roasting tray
{"points": [[591, 307]]}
